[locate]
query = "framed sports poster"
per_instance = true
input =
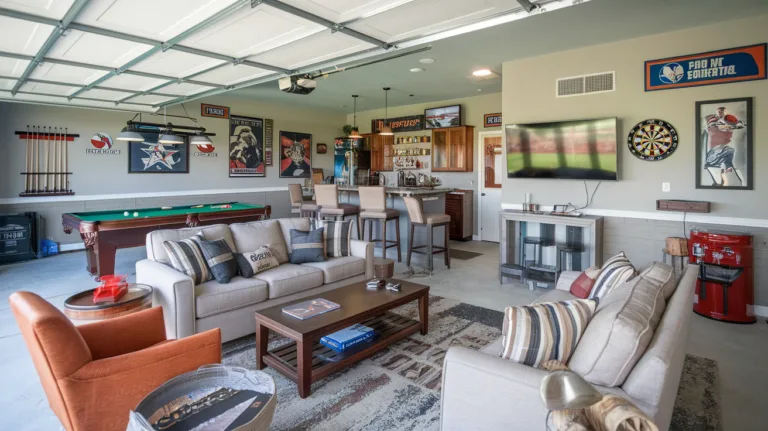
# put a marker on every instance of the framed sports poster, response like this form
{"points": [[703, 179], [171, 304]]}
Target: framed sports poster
{"points": [[152, 157], [295, 155], [246, 147], [724, 144], [446, 116]]}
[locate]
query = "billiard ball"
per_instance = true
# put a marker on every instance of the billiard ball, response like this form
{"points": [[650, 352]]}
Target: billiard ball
{"points": [[125, 213], [135, 214]]}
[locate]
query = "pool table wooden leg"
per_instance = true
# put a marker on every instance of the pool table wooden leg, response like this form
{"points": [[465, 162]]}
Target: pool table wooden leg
{"points": [[105, 255]]}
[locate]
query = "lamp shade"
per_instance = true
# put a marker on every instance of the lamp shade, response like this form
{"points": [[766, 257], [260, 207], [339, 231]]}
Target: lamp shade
{"points": [[355, 134], [128, 134], [386, 130], [567, 390], [168, 137], [200, 139]]}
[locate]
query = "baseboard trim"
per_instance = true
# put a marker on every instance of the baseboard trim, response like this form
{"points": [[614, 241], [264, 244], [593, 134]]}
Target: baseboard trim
{"points": [[81, 198], [662, 215], [71, 247], [760, 310], [475, 237]]}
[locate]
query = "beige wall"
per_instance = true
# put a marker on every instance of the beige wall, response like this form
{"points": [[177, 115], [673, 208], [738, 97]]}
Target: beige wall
{"points": [[96, 174], [529, 96], [472, 111]]}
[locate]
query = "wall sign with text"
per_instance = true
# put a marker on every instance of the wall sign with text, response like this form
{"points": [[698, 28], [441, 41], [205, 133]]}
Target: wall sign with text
{"points": [[492, 120], [746, 63], [410, 123], [214, 111]]}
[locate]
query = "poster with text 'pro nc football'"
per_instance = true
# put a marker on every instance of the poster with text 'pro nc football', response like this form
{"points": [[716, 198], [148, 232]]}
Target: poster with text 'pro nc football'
{"points": [[246, 147]]}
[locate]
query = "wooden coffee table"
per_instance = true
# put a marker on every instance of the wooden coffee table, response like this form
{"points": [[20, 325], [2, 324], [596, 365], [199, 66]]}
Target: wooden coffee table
{"points": [[306, 360]]}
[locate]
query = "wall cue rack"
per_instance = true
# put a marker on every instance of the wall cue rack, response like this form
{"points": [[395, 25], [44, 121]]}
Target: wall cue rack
{"points": [[47, 161]]}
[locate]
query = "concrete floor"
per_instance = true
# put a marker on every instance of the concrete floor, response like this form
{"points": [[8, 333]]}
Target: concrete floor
{"points": [[740, 350]]}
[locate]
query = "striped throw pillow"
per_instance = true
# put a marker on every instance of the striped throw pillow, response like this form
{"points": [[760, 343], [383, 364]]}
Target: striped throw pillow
{"points": [[187, 257], [337, 235], [615, 271], [535, 334], [306, 246]]}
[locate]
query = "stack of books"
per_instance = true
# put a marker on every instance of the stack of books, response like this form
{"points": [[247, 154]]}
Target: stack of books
{"points": [[376, 284], [347, 337]]}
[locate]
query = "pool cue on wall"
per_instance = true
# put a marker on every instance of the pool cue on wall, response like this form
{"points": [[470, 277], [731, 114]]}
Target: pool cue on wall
{"points": [[27, 164], [66, 160], [36, 157], [57, 168]]}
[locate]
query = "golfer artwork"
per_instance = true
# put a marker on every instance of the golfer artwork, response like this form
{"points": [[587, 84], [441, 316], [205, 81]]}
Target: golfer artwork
{"points": [[724, 153], [246, 147], [295, 155]]}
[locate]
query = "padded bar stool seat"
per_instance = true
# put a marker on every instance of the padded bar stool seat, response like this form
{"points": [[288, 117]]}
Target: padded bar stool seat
{"points": [[298, 204], [373, 203], [430, 221], [327, 196]]}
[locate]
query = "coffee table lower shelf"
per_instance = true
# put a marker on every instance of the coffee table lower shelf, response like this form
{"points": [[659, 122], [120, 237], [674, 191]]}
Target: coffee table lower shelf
{"points": [[389, 327]]}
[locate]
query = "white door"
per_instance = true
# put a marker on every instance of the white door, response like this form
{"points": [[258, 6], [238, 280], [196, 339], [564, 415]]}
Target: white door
{"points": [[491, 173]]}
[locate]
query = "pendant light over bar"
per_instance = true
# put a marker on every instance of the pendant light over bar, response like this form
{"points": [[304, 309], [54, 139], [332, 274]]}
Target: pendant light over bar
{"points": [[385, 129], [355, 134]]}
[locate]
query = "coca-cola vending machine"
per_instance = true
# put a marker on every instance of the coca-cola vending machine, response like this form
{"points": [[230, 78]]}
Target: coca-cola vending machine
{"points": [[725, 289]]}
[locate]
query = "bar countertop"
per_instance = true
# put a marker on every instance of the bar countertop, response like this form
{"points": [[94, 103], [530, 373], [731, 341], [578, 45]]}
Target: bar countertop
{"points": [[406, 191]]}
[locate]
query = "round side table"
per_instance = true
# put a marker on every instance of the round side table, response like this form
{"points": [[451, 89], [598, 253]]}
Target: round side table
{"points": [[80, 306], [383, 268]]}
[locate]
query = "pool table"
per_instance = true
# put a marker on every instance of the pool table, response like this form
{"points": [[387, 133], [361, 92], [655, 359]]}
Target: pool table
{"points": [[103, 232]]}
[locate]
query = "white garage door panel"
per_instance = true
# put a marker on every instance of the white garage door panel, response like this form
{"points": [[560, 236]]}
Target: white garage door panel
{"points": [[7, 84], [184, 89], [176, 63], [232, 74], [150, 99], [47, 8], [133, 82], [96, 49], [12, 67], [340, 11], [22, 37], [314, 49], [71, 74], [105, 94], [61, 90]]}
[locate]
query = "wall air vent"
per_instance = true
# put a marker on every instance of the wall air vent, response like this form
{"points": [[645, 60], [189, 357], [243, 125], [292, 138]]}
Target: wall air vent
{"points": [[586, 84]]}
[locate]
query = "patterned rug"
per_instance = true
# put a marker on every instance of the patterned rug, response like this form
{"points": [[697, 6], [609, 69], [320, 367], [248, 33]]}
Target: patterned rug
{"points": [[464, 254], [398, 388]]}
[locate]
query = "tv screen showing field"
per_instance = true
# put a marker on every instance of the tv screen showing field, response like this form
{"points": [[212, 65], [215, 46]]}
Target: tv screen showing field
{"points": [[583, 150]]}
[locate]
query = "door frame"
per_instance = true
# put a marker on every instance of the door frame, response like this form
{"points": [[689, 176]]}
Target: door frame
{"points": [[481, 170]]}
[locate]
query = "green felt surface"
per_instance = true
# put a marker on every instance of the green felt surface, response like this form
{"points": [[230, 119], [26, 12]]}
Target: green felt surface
{"points": [[158, 212]]}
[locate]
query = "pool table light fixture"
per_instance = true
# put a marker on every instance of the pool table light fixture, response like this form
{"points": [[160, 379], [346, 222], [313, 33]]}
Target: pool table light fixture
{"points": [[129, 134], [200, 139], [169, 137]]}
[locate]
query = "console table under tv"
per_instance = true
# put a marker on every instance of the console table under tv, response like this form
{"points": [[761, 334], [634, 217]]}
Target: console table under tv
{"points": [[558, 242]]}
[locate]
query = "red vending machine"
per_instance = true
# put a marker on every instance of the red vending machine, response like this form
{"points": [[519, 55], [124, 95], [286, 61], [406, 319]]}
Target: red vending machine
{"points": [[724, 290]]}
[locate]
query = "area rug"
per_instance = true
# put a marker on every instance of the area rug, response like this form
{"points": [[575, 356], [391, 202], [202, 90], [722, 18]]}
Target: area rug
{"points": [[464, 254], [398, 388]]}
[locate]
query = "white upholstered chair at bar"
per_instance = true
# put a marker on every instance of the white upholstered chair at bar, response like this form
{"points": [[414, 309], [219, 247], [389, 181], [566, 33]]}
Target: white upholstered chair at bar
{"points": [[373, 208], [299, 205], [327, 197]]}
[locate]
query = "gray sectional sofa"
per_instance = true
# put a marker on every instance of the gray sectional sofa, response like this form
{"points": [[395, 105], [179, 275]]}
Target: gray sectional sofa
{"points": [[189, 309]]}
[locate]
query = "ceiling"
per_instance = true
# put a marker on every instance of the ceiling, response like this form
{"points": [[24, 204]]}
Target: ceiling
{"points": [[599, 21], [115, 54], [146, 54]]}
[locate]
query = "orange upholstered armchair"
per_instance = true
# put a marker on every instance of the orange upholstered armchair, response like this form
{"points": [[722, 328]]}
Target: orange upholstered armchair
{"points": [[95, 373]]}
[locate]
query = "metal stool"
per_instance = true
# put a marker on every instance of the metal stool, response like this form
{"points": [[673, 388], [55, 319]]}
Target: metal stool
{"points": [[430, 221], [299, 205], [373, 206], [534, 270], [327, 196]]}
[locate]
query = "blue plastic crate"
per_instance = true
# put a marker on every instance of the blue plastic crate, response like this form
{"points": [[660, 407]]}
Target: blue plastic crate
{"points": [[49, 248]]}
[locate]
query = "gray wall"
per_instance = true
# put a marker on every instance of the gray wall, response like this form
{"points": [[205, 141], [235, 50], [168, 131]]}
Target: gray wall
{"points": [[97, 174], [529, 96]]}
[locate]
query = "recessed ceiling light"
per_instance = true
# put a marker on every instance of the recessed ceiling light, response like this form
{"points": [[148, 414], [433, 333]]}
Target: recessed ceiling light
{"points": [[427, 60], [481, 72], [479, 89], [417, 70]]}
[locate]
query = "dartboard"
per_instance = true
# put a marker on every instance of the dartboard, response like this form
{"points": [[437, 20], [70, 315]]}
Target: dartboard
{"points": [[652, 140]]}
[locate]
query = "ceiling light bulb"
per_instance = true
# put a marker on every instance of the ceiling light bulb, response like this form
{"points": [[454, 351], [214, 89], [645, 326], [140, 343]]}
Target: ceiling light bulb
{"points": [[417, 69], [482, 72], [427, 60]]}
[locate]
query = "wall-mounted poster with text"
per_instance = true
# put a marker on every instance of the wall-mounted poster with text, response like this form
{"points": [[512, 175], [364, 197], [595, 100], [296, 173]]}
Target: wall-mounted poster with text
{"points": [[295, 155], [246, 147]]}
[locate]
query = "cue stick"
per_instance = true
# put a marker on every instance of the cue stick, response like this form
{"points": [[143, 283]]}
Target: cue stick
{"points": [[56, 170], [66, 160], [36, 157], [47, 158], [27, 164], [58, 160]]}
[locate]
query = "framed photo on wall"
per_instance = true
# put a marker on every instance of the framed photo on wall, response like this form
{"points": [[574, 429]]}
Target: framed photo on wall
{"points": [[446, 116], [152, 157], [724, 144], [295, 155], [246, 147]]}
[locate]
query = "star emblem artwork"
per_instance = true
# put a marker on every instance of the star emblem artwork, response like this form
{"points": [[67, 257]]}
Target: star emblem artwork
{"points": [[159, 156]]}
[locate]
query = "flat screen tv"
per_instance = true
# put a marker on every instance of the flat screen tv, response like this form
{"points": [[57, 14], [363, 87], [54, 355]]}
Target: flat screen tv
{"points": [[576, 150]]}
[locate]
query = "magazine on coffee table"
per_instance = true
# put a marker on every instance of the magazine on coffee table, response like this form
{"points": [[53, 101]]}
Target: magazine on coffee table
{"points": [[308, 309]]}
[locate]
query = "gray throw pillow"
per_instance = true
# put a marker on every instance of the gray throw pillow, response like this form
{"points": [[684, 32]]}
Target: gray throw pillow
{"points": [[220, 259], [307, 246]]}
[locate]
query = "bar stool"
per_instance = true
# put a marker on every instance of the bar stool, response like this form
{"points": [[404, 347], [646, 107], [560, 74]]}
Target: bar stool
{"points": [[327, 196], [430, 221], [373, 207], [298, 205]]}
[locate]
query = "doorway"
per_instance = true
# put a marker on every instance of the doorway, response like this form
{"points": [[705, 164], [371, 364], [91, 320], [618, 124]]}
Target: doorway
{"points": [[491, 173]]}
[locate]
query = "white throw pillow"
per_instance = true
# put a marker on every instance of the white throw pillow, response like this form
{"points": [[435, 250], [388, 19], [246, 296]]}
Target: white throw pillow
{"points": [[254, 262]]}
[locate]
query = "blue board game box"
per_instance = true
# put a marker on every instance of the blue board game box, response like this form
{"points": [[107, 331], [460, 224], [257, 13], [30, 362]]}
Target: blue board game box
{"points": [[347, 337]]}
